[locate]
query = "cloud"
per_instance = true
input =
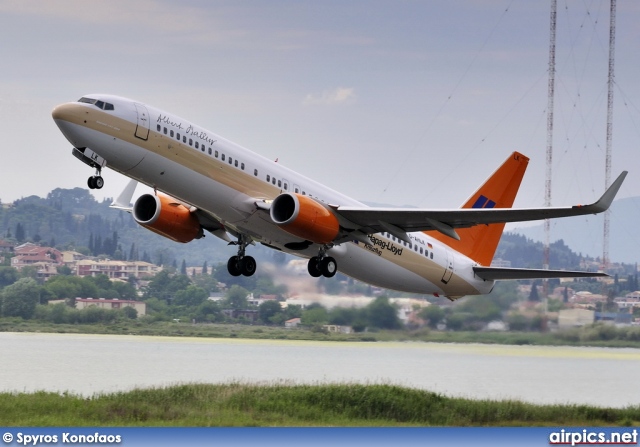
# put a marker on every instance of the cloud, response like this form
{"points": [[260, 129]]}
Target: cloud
{"points": [[339, 95]]}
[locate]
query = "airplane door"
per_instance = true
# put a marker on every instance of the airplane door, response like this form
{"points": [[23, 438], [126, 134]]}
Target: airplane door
{"points": [[448, 267], [142, 129]]}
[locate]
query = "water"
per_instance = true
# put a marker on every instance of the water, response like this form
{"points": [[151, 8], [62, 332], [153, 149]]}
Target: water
{"points": [[89, 364]]}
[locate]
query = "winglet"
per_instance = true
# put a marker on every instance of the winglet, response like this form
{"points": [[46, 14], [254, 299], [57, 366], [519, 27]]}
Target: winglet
{"points": [[606, 200], [123, 202]]}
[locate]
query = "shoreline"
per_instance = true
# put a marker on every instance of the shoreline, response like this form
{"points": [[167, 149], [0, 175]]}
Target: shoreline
{"points": [[572, 338]]}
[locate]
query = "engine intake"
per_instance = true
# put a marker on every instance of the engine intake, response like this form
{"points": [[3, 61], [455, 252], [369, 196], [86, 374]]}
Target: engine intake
{"points": [[166, 216], [304, 217]]}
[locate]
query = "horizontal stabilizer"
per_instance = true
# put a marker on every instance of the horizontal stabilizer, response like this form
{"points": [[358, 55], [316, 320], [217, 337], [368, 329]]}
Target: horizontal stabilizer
{"points": [[496, 273]]}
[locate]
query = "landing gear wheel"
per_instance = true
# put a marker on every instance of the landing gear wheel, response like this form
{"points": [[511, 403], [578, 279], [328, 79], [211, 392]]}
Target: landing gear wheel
{"points": [[95, 182], [328, 267], [314, 268], [247, 266], [233, 266]]}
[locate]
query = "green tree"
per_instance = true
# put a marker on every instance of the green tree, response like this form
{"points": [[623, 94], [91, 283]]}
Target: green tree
{"points": [[344, 316], [130, 312], [20, 233], [237, 297], [164, 286], [191, 296], [64, 270], [20, 299], [314, 315], [268, 310], [432, 314], [209, 311], [533, 295], [8, 275], [382, 314]]}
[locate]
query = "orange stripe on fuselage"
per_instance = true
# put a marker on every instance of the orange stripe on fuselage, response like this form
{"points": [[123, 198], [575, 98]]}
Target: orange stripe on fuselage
{"points": [[499, 191]]}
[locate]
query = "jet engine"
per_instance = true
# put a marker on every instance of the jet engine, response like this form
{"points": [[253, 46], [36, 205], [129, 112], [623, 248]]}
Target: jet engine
{"points": [[304, 217], [168, 217]]}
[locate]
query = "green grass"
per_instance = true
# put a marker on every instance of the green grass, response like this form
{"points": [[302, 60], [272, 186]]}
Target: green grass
{"points": [[237, 404]]}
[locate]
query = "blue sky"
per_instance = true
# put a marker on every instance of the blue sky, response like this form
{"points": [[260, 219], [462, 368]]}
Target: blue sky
{"points": [[396, 102]]}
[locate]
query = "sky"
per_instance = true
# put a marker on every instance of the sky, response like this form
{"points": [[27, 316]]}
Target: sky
{"points": [[393, 102]]}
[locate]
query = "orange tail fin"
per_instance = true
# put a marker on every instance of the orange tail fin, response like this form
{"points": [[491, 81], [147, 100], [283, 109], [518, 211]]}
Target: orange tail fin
{"points": [[499, 191]]}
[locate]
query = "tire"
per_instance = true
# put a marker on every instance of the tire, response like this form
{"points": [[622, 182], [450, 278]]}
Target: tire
{"points": [[98, 182], [232, 266], [91, 182], [328, 267], [247, 266], [313, 267]]}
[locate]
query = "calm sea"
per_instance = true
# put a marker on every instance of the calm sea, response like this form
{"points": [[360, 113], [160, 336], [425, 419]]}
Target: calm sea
{"points": [[89, 364]]}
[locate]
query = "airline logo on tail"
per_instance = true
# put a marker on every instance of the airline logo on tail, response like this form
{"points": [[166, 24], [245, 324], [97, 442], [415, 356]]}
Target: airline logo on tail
{"points": [[484, 202]]}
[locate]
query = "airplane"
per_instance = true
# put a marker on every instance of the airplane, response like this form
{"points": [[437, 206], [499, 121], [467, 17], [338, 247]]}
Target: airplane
{"points": [[202, 181]]}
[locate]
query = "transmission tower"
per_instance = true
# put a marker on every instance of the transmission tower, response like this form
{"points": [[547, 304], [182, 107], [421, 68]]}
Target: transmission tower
{"points": [[551, 91], [607, 163]]}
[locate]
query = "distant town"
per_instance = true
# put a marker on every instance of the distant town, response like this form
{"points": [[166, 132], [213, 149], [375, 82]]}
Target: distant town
{"points": [[284, 295]]}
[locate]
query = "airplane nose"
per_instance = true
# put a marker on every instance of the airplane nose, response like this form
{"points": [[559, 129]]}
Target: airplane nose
{"points": [[66, 112]]}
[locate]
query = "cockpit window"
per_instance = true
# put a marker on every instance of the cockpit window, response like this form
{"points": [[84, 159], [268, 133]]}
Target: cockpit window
{"points": [[99, 104]]}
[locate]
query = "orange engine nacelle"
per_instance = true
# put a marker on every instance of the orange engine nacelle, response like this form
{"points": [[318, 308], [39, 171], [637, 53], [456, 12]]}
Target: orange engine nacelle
{"points": [[304, 217], [167, 217]]}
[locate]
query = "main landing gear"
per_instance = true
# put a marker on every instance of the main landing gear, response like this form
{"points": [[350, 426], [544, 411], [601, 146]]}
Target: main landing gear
{"points": [[322, 265], [241, 264], [95, 181]]}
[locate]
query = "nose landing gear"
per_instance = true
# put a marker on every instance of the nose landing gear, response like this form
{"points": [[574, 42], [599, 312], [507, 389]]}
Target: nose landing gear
{"points": [[95, 181]]}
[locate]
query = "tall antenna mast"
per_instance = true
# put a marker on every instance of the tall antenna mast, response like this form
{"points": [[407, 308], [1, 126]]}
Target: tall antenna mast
{"points": [[607, 163], [551, 91]]}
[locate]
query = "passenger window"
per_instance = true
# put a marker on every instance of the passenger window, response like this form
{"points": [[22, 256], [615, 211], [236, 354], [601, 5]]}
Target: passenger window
{"points": [[165, 130], [222, 157], [209, 151], [190, 142], [236, 163], [273, 180], [268, 178], [171, 133], [230, 160], [158, 127], [178, 136], [197, 145], [421, 251], [431, 255], [255, 172], [286, 187], [279, 184], [297, 191], [304, 193], [184, 139], [242, 166], [216, 154]]}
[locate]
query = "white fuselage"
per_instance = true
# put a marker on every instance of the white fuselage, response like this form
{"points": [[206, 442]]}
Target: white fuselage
{"points": [[204, 170]]}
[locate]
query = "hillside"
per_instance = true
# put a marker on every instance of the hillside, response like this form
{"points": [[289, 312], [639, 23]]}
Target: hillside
{"points": [[73, 219], [584, 234]]}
